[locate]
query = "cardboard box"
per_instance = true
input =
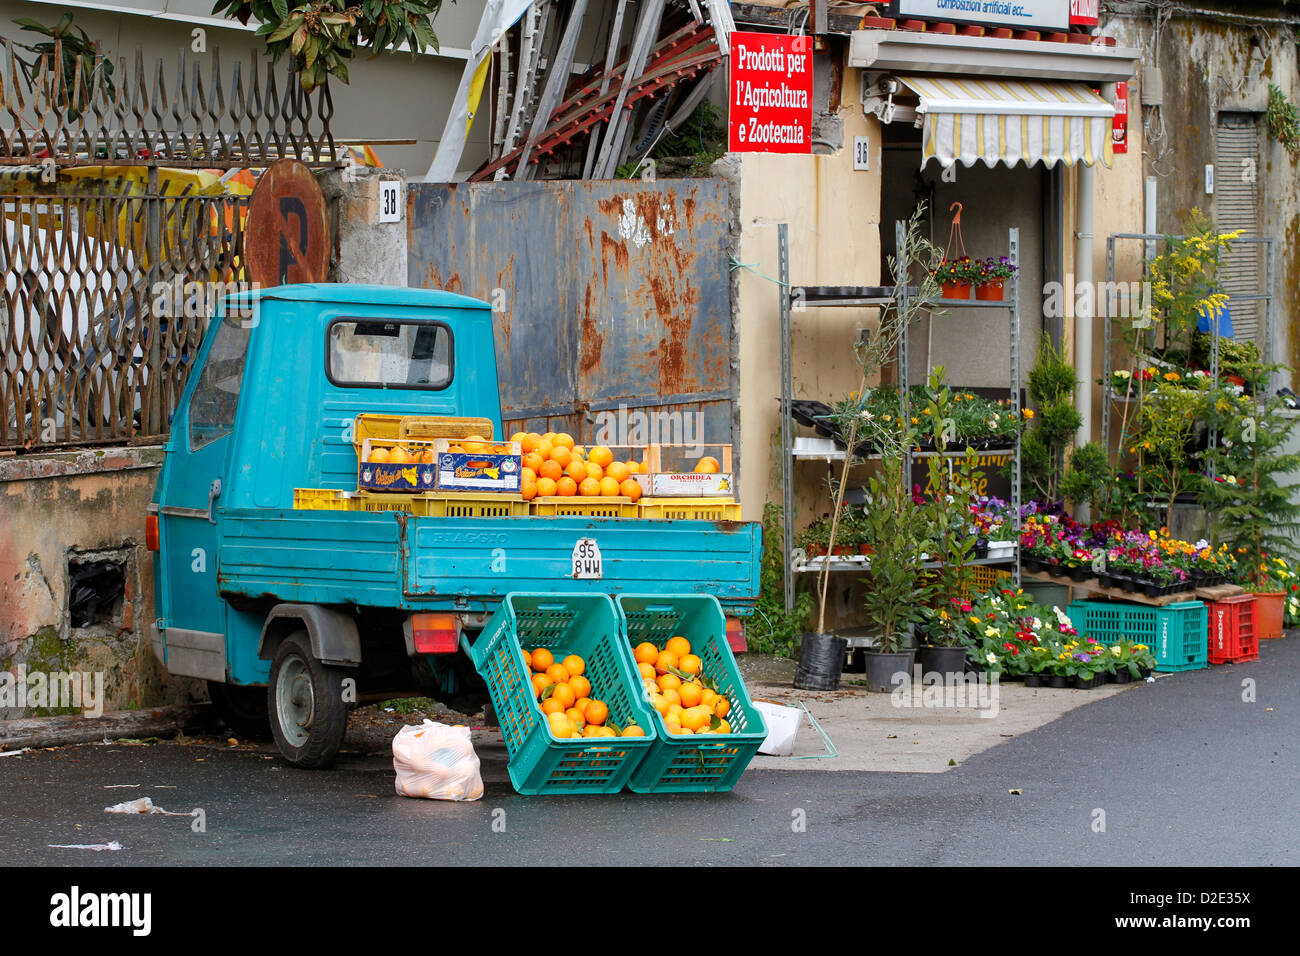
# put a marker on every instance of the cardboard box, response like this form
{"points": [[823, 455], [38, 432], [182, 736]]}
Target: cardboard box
{"points": [[687, 486], [477, 471], [671, 472], [409, 478]]}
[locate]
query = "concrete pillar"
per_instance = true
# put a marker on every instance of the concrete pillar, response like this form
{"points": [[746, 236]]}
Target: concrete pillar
{"points": [[366, 250]]}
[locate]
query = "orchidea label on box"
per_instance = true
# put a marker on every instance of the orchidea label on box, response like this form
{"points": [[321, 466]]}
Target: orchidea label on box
{"points": [[770, 102], [1022, 14]]}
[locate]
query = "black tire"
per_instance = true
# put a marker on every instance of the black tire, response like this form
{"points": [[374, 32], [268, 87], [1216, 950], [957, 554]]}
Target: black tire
{"points": [[308, 714], [242, 709]]}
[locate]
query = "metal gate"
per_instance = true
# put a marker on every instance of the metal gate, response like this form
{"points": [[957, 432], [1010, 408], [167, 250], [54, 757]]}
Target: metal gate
{"points": [[119, 230], [613, 300]]}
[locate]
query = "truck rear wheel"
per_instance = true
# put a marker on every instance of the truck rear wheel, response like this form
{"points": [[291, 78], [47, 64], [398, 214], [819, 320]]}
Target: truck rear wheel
{"points": [[305, 699], [242, 709]]}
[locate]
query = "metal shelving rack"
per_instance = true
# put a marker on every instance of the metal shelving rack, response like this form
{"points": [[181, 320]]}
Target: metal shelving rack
{"points": [[1268, 297], [879, 296]]}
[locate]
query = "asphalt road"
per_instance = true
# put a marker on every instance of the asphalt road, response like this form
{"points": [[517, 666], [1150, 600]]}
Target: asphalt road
{"points": [[1185, 771]]}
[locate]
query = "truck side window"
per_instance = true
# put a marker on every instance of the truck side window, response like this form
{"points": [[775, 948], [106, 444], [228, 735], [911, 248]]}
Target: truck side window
{"points": [[212, 409], [383, 353]]}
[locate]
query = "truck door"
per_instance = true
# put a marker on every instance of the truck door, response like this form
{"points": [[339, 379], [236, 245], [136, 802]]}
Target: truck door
{"points": [[192, 614]]}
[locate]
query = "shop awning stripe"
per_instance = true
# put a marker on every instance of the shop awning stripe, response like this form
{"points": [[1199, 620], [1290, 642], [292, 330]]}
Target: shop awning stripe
{"points": [[964, 120]]}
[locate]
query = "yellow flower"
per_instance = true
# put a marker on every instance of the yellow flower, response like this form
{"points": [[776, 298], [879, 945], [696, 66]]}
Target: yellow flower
{"points": [[1029, 413]]}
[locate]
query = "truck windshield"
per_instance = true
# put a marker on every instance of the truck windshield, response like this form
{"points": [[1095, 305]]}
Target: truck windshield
{"points": [[212, 410], [383, 353]]}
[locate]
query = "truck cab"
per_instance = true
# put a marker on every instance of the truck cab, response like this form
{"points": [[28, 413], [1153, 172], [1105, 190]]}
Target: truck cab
{"points": [[294, 612]]}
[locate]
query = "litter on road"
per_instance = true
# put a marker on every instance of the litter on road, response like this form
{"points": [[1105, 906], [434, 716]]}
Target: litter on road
{"points": [[143, 805]]}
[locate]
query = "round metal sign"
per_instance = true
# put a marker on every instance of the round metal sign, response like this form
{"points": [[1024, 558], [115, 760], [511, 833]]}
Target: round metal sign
{"points": [[287, 234]]}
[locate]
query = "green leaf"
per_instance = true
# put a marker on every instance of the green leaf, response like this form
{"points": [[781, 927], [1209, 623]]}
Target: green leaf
{"points": [[283, 31], [281, 8], [299, 40]]}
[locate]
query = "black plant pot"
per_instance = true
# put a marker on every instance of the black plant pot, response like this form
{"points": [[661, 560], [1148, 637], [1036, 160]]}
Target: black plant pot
{"points": [[1144, 673], [1121, 677], [1152, 590], [1128, 584], [1082, 684], [941, 660], [821, 659], [1079, 574], [1056, 680], [882, 668], [1033, 680]]}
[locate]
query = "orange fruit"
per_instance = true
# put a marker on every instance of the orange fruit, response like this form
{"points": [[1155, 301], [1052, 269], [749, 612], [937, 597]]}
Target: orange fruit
{"points": [[674, 724], [600, 455], [575, 715], [549, 436], [672, 695], [544, 448], [666, 660], [519, 437], [540, 683], [529, 442], [566, 487], [581, 686], [690, 693], [707, 466], [560, 725], [562, 455], [528, 659], [691, 664], [590, 488], [722, 707], [582, 702], [632, 467], [575, 665], [694, 718], [456, 449], [565, 695], [551, 469], [685, 730], [533, 462], [647, 670], [633, 730], [542, 659], [557, 673], [678, 645], [597, 712], [595, 471], [645, 653], [398, 456], [579, 452], [379, 455], [576, 470], [545, 487], [708, 698], [528, 489], [667, 681], [658, 703], [563, 440], [591, 730], [630, 489], [675, 710], [723, 728], [552, 706], [527, 474], [618, 471], [608, 488]]}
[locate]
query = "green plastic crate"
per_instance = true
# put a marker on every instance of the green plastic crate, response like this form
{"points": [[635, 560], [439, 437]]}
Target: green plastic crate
{"points": [[1176, 633], [582, 624], [693, 763]]}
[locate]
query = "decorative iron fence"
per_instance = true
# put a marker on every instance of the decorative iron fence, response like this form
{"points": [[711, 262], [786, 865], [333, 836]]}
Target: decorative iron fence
{"points": [[76, 110], [121, 229]]}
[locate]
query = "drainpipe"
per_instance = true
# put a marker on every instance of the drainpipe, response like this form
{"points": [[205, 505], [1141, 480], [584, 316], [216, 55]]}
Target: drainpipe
{"points": [[1083, 305]]}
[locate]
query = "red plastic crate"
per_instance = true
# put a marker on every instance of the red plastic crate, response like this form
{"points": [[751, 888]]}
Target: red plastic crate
{"points": [[1234, 630]]}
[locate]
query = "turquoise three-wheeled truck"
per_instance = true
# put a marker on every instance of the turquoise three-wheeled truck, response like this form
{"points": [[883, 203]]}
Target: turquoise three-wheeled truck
{"points": [[278, 606]]}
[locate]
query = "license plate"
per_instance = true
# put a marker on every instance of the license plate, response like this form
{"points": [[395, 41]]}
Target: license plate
{"points": [[586, 560]]}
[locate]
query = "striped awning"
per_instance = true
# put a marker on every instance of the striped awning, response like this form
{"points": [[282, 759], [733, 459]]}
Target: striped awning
{"points": [[971, 119]]}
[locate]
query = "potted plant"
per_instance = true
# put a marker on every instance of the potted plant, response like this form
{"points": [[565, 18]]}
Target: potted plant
{"points": [[991, 277], [955, 276]]}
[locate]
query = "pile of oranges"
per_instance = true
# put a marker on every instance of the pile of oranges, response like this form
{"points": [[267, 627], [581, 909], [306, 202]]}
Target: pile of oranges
{"points": [[554, 465], [679, 691], [565, 697], [422, 454]]}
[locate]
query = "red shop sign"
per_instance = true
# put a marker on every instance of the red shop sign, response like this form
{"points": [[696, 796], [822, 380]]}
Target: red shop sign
{"points": [[1119, 131], [1085, 12], [770, 101]]}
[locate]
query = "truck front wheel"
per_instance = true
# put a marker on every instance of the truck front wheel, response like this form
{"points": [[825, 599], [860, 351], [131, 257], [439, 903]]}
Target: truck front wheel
{"points": [[305, 698]]}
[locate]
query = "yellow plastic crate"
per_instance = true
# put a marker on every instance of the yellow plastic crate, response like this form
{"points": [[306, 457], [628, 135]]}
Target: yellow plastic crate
{"points": [[320, 499], [985, 577], [441, 505], [689, 509], [584, 507]]}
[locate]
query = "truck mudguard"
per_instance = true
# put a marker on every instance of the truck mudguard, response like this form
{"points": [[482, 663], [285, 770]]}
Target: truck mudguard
{"points": [[333, 634]]}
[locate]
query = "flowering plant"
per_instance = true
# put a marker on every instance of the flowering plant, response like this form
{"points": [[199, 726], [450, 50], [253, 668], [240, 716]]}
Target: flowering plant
{"points": [[956, 270], [994, 267]]}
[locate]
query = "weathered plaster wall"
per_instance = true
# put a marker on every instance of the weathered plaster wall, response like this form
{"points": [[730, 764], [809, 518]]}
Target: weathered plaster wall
{"points": [[833, 212], [57, 505]]}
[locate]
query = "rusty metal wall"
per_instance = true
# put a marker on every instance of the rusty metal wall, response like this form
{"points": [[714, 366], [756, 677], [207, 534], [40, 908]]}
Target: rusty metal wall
{"points": [[609, 294]]}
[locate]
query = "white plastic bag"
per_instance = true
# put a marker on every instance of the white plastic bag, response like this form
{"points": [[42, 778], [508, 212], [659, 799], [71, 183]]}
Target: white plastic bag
{"points": [[437, 762], [782, 727]]}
